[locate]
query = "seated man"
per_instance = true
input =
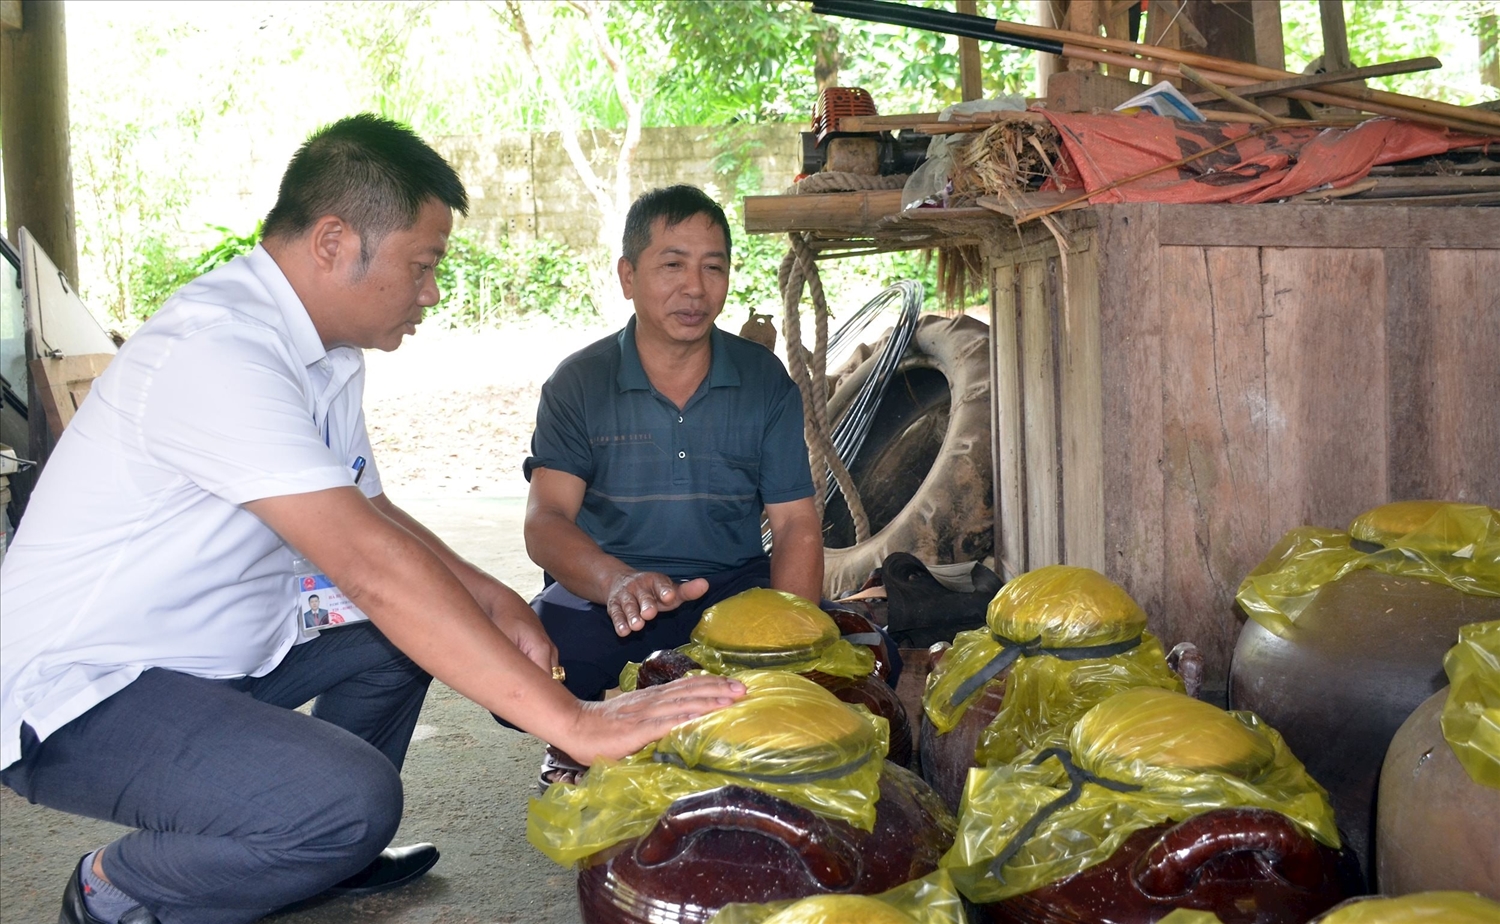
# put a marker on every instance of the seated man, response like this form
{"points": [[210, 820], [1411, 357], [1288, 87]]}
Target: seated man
{"points": [[656, 452], [151, 653]]}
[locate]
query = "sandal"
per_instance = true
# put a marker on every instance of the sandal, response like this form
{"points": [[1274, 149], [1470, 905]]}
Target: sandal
{"points": [[558, 767]]}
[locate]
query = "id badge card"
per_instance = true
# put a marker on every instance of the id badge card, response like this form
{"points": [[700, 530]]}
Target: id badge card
{"points": [[320, 604]]}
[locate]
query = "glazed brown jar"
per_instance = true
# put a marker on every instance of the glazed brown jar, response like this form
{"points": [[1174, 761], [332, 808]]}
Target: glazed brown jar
{"points": [[1247, 866], [1057, 641], [783, 794]]}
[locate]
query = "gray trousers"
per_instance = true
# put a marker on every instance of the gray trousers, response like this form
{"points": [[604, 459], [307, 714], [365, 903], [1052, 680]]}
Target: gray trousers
{"points": [[242, 804]]}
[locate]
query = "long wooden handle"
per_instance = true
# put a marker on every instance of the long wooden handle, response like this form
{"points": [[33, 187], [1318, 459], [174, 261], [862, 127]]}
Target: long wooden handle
{"points": [[1307, 81], [1316, 96], [1242, 69]]}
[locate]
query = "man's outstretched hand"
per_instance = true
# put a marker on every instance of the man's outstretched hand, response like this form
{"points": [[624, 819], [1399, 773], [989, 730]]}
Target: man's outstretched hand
{"points": [[636, 598], [628, 722]]}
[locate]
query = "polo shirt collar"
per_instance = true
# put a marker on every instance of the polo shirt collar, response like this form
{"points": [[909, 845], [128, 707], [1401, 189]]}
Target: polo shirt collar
{"points": [[722, 370], [299, 325]]}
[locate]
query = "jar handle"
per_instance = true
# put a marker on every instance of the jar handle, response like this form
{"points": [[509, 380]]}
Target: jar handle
{"points": [[1171, 866], [827, 855]]}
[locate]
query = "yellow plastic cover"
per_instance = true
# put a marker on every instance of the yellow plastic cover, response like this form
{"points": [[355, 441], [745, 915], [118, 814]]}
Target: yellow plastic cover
{"points": [[933, 899], [1471, 716], [1066, 607], [764, 621], [1058, 607], [787, 736], [1457, 545], [1176, 757], [1418, 908], [768, 629]]}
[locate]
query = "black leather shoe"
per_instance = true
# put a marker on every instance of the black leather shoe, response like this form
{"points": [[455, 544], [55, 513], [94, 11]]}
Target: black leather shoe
{"points": [[395, 867], [74, 911]]}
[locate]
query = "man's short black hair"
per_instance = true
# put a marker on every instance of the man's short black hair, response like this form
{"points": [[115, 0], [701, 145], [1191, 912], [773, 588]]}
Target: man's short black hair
{"points": [[675, 204], [371, 172]]}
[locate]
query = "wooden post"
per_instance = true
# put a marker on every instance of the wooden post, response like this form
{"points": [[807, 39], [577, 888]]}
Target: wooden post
{"points": [[34, 123], [1050, 14], [1083, 16], [1164, 29], [1270, 43], [970, 64], [1335, 36]]}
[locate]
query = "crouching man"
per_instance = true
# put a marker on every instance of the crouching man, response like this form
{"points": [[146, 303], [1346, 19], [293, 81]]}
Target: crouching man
{"points": [[151, 649]]}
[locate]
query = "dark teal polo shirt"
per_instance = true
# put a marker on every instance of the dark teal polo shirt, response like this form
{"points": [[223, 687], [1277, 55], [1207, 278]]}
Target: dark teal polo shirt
{"points": [[679, 492]]}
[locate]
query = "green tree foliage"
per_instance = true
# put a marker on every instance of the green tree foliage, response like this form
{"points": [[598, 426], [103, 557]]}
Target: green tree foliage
{"points": [[182, 114], [1392, 30]]}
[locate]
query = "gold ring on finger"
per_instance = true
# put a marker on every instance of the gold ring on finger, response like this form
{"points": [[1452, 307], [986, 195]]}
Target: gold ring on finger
{"points": [[558, 673]]}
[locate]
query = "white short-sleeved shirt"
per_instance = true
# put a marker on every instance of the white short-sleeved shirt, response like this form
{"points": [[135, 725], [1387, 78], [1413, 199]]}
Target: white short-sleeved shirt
{"points": [[134, 551]]}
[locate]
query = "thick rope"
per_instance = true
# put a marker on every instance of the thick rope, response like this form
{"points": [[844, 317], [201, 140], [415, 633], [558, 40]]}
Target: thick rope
{"points": [[808, 370]]}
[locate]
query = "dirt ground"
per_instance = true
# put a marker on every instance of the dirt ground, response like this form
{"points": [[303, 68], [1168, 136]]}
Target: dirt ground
{"points": [[451, 412]]}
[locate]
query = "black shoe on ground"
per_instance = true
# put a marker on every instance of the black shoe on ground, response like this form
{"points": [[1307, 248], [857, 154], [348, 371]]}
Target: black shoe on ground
{"points": [[74, 911], [395, 867]]}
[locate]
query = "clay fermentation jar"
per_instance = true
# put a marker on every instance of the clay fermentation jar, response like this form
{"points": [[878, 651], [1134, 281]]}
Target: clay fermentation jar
{"points": [[735, 844], [947, 758], [1436, 828], [870, 691], [1364, 654], [1248, 866]]}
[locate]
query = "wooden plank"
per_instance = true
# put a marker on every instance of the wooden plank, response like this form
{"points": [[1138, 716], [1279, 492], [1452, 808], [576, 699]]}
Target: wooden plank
{"points": [[1313, 225], [1008, 441], [851, 212], [1214, 434], [1325, 384], [64, 383], [1130, 330], [1464, 424], [1409, 366], [882, 123], [1039, 416], [1082, 412]]}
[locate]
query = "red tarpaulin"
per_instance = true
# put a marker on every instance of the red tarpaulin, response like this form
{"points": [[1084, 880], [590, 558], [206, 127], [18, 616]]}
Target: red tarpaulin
{"points": [[1107, 147]]}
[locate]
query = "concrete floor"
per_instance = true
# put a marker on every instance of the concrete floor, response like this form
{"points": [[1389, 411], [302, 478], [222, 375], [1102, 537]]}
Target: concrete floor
{"points": [[467, 784]]}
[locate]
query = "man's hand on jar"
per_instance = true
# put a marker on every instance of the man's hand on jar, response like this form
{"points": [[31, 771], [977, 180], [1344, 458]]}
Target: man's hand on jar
{"points": [[636, 598]]}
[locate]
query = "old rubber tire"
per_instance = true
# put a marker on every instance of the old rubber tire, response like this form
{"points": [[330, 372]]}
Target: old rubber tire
{"points": [[924, 472]]}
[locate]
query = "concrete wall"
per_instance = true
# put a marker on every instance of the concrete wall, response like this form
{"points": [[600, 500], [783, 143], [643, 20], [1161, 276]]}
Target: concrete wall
{"points": [[524, 185]]}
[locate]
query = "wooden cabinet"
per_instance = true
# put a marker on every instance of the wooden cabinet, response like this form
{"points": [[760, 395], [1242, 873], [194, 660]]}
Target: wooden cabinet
{"points": [[1186, 383]]}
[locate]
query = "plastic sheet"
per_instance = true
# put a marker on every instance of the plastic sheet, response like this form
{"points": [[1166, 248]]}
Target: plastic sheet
{"points": [[1065, 612], [1140, 758], [1457, 545], [763, 628], [1103, 148], [1419, 908], [1190, 916], [933, 899], [787, 737], [1471, 716]]}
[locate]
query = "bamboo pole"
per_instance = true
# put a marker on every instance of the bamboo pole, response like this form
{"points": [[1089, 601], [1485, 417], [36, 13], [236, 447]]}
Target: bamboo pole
{"points": [[1309, 81], [1243, 69], [1318, 96], [1228, 97]]}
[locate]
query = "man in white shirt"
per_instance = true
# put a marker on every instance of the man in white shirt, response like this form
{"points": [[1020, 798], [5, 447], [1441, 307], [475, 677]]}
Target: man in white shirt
{"points": [[151, 656]]}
